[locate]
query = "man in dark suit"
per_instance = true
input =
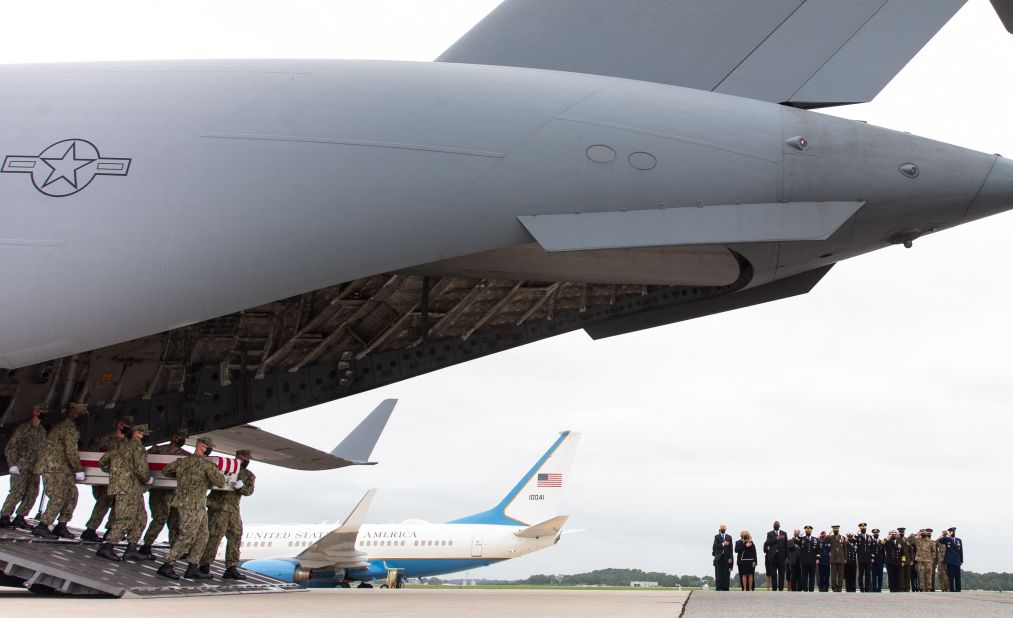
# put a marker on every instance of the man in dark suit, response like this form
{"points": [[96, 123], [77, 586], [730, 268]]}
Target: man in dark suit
{"points": [[722, 552], [776, 547]]}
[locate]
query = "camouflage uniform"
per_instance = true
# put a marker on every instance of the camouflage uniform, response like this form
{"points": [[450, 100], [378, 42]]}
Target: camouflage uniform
{"points": [[159, 501], [941, 575], [194, 475], [23, 451], [103, 502], [912, 572], [925, 557], [225, 520], [57, 465], [128, 478]]}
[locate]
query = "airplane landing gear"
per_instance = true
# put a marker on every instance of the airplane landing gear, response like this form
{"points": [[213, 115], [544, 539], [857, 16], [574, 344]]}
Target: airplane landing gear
{"points": [[365, 585], [344, 585]]}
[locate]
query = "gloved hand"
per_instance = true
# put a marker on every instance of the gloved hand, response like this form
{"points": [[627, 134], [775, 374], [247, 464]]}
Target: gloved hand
{"points": [[79, 476], [15, 470], [151, 480], [237, 485]]}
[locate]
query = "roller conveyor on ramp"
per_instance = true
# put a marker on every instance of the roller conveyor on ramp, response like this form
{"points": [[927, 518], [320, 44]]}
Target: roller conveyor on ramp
{"points": [[71, 567]]}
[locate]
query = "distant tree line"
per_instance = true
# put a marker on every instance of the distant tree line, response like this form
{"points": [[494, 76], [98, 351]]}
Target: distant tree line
{"points": [[623, 577]]}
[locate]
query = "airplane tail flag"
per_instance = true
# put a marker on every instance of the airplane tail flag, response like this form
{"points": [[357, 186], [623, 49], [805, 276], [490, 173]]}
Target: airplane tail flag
{"points": [[537, 496]]}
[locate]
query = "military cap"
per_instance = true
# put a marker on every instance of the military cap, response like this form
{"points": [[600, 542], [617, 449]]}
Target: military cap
{"points": [[41, 406], [206, 441], [953, 529], [807, 527], [128, 419], [929, 530], [79, 407], [244, 452], [181, 432], [901, 529], [875, 530], [143, 428], [863, 525], [836, 526]]}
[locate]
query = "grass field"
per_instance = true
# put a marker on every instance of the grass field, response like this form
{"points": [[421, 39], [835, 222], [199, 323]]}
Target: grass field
{"points": [[519, 587]]}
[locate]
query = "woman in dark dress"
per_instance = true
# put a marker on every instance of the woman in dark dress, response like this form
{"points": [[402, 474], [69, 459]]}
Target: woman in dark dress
{"points": [[746, 550]]}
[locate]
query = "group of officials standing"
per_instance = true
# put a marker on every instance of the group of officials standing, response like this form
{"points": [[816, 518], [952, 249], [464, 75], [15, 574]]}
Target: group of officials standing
{"points": [[197, 521], [852, 562]]}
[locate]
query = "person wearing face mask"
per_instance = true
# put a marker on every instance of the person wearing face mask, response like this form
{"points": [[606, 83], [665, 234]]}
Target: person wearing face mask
{"points": [[926, 554], [823, 563], [746, 551], [194, 475], [838, 558], [776, 549], [864, 544], [22, 453], [894, 550], [877, 561], [103, 502], [722, 552], [225, 520], [61, 470], [129, 476], [160, 498], [808, 558], [851, 567], [794, 569]]}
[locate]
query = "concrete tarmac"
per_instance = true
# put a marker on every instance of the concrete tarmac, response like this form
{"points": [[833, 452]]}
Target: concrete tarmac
{"points": [[514, 602]]}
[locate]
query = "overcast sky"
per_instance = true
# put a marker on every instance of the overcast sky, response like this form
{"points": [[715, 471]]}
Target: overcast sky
{"points": [[882, 396]]}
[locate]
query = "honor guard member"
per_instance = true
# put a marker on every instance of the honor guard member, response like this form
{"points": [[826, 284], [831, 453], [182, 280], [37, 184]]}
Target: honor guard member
{"points": [[808, 558], [906, 562], [22, 453], [103, 502], [225, 519], [776, 548], [838, 558], [824, 563], [894, 549], [851, 568], [877, 562], [194, 475], [865, 545], [953, 558], [60, 467], [940, 568], [925, 559], [129, 476], [159, 498]]}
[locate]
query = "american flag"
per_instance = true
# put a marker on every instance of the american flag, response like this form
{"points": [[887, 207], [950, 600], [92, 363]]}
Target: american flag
{"points": [[551, 479]]}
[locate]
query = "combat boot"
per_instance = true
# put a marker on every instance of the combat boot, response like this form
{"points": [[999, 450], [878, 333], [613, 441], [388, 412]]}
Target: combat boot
{"points": [[166, 570], [205, 569], [194, 572], [19, 522], [89, 536], [61, 531], [132, 554], [105, 550], [145, 549], [5, 522], [42, 531], [232, 573]]}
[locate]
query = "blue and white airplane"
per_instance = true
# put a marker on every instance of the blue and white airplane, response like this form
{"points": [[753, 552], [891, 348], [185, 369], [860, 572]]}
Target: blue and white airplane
{"points": [[323, 555]]}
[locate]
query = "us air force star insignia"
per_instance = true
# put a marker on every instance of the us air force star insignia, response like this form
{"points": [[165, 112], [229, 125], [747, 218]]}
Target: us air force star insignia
{"points": [[65, 167]]}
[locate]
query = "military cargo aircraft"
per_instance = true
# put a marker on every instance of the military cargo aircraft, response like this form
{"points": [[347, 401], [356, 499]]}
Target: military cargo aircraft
{"points": [[209, 243]]}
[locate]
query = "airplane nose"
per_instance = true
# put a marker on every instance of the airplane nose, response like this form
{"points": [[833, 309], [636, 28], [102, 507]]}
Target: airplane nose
{"points": [[996, 194]]}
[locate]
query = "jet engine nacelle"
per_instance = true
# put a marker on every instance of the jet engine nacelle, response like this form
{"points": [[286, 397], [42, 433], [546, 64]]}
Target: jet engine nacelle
{"points": [[291, 571]]}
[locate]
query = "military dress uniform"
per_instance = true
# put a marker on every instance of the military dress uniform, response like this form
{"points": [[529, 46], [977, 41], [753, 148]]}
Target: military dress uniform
{"points": [[103, 502], [225, 520], [877, 563], [159, 501], [907, 561], [194, 475], [838, 558], [808, 555], [22, 453], [865, 546], [60, 467], [851, 567], [954, 557], [824, 566], [894, 550], [129, 476]]}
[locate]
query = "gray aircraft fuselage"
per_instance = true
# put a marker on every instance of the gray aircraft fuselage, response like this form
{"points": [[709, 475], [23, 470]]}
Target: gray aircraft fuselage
{"points": [[141, 198]]}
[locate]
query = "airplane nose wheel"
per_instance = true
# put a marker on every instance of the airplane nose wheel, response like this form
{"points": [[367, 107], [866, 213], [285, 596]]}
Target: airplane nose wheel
{"points": [[344, 585], [364, 585]]}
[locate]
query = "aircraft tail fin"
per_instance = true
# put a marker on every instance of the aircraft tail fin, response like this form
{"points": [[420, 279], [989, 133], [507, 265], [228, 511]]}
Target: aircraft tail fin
{"points": [[536, 497], [358, 445], [550, 527], [1005, 10]]}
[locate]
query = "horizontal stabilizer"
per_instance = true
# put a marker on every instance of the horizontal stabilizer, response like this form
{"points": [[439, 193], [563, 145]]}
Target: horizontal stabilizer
{"points": [[704, 225], [546, 528], [337, 548], [807, 53], [277, 450]]}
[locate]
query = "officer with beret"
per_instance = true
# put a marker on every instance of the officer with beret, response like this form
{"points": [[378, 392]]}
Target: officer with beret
{"points": [[953, 558], [224, 519], [22, 453], [194, 475]]}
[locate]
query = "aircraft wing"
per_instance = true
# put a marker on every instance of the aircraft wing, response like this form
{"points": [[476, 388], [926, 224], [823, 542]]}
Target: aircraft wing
{"points": [[337, 548], [277, 450], [806, 53]]}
